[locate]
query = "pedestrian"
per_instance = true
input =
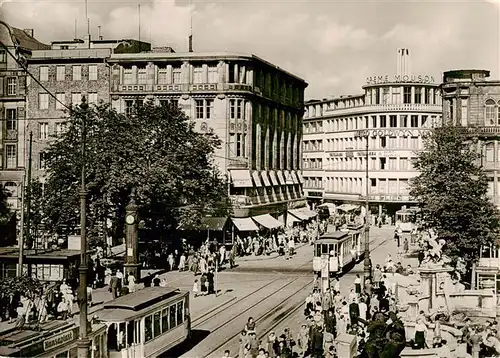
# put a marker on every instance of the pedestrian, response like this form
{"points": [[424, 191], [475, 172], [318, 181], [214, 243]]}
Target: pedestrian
{"points": [[156, 281], [357, 284], [354, 313], [89, 296], [303, 340], [405, 246], [195, 288], [227, 353], [317, 343], [243, 340], [131, 282], [250, 325]]}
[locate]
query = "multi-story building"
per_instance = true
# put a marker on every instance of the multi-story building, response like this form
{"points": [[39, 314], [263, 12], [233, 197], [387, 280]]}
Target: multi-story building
{"points": [[253, 106], [471, 100], [19, 45], [66, 76], [396, 112]]}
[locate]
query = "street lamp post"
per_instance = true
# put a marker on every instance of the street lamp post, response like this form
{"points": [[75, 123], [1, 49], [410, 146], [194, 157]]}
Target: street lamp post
{"points": [[83, 343], [367, 268]]}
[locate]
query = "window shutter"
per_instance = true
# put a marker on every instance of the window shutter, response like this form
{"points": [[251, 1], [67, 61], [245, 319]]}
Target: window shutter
{"points": [[2, 80]]}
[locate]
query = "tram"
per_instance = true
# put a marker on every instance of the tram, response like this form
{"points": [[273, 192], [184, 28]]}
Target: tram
{"points": [[146, 323], [407, 218], [338, 249], [358, 236]]}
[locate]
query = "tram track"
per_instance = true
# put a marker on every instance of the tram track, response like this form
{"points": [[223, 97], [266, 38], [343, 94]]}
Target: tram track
{"points": [[288, 313]]}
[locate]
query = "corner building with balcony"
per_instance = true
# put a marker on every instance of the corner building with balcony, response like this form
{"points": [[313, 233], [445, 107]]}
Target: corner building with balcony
{"points": [[253, 106], [397, 111]]}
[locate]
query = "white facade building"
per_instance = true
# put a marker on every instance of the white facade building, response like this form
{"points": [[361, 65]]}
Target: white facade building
{"points": [[398, 111]]}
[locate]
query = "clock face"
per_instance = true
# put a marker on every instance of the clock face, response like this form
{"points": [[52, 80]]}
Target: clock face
{"points": [[130, 219]]}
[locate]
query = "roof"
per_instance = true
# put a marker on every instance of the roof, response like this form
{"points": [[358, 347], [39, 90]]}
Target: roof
{"points": [[20, 38], [336, 235], [355, 226], [8, 252], [142, 298], [119, 311], [202, 56]]}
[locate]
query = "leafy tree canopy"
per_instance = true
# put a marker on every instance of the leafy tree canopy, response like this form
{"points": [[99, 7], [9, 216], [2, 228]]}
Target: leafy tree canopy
{"points": [[452, 191], [154, 151]]}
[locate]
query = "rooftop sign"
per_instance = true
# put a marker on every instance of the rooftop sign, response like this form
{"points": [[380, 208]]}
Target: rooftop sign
{"points": [[424, 79]]}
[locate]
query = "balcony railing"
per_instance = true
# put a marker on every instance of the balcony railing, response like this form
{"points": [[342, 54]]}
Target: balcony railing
{"points": [[400, 107], [238, 164]]}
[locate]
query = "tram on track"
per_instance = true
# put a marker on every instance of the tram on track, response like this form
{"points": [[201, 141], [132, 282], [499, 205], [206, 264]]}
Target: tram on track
{"points": [[358, 236], [146, 323], [339, 249]]}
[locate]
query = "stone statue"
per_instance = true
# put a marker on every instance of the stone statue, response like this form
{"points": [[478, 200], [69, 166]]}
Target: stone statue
{"points": [[433, 250]]}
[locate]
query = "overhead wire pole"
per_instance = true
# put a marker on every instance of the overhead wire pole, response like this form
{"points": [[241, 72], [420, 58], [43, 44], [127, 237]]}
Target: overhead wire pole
{"points": [[28, 189], [21, 237], [83, 341]]}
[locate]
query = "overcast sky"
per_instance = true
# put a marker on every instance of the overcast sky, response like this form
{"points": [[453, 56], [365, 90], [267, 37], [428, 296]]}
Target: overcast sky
{"points": [[333, 45]]}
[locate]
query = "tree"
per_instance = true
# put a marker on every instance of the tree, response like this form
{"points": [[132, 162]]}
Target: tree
{"points": [[452, 191], [154, 151]]}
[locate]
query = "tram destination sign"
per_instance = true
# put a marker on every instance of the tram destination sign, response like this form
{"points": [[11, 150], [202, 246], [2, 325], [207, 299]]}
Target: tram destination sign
{"points": [[58, 340], [424, 79]]}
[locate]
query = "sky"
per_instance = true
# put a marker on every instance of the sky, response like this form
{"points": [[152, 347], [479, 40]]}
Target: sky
{"points": [[333, 45]]}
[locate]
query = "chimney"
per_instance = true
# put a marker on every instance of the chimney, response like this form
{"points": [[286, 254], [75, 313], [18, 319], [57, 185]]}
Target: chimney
{"points": [[99, 33], [403, 62], [190, 43], [29, 32]]}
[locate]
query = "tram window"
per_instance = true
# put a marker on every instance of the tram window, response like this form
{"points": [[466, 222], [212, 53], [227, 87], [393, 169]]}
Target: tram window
{"points": [[324, 248], [173, 321], [330, 248], [318, 250], [62, 355], [335, 249], [148, 327], [180, 312], [130, 333], [164, 320], [157, 323], [121, 336]]}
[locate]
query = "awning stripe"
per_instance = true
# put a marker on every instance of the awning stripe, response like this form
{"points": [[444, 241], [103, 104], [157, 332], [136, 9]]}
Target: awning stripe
{"points": [[280, 177], [244, 224], [256, 179], [241, 178], [272, 175], [288, 178], [294, 178], [267, 221], [265, 178]]}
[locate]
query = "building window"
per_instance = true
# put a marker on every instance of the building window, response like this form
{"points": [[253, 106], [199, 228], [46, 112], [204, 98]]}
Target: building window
{"points": [[11, 156], [418, 95], [129, 105], [43, 130], [393, 121], [198, 75], [42, 161], [213, 74], [377, 95], [490, 150], [428, 97], [404, 121], [60, 73], [383, 122], [76, 98], [406, 94], [127, 77], [374, 121], [177, 76], [77, 73], [236, 108], [383, 142], [43, 101], [92, 97], [414, 142], [3, 56], [393, 164], [386, 94], [92, 72], [11, 86], [382, 163], [403, 163], [142, 78], [60, 128], [199, 108], [239, 145], [11, 114], [162, 76], [414, 121], [44, 73], [61, 99], [490, 112]]}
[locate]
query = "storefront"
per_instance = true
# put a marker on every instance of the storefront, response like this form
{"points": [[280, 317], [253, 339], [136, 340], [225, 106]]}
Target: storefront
{"points": [[54, 339]]}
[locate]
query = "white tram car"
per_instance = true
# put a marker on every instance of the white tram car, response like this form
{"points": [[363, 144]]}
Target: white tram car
{"points": [[341, 249]]}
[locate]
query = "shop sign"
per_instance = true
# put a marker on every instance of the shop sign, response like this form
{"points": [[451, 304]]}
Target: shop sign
{"points": [[363, 154], [389, 132], [315, 193], [392, 198], [337, 154], [375, 80], [58, 340]]}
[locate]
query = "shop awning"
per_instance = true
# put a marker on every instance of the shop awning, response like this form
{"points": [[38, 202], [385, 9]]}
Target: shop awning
{"points": [[281, 180], [288, 178], [309, 212], [256, 179], [295, 179], [301, 180], [347, 207], [299, 214], [241, 178], [265, 178], [291, 219], [207, 223], [272, 175], [245, 224], [267, 221]]}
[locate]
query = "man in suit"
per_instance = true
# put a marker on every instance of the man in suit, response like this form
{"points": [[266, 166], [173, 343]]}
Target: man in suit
{"points": [[114, 285]]}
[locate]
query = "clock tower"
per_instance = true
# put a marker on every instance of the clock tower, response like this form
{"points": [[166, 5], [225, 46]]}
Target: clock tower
{"points": [[131, 238]]}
